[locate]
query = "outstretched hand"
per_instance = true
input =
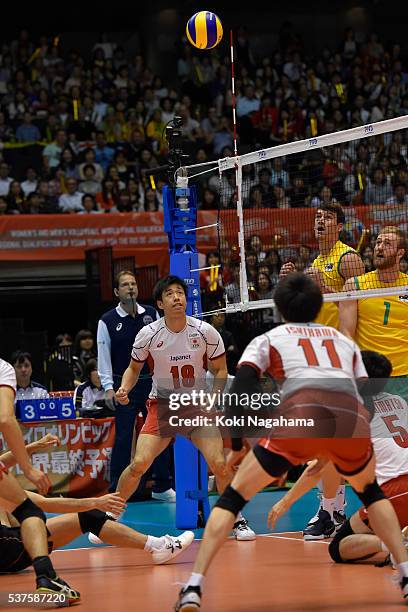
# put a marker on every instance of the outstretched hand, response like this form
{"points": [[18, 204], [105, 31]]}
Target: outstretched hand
{"points": [[112, 502], [45, 442]]}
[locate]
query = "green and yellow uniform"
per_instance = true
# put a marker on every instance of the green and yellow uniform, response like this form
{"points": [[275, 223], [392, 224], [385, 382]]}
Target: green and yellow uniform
{"points": [[382, 323], [329, 266]]}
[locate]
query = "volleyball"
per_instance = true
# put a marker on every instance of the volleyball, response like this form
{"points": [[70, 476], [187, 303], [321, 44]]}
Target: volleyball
{"points": [[204, 30]]}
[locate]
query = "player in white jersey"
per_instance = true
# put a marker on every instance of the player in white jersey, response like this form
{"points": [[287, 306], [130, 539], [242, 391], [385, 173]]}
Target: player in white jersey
{"points": [[29, 515], [304, 358], [389, 430], [179, 350]]}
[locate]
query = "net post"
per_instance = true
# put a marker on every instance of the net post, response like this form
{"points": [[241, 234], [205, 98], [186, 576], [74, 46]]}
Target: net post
{"points": [[180, 222]]}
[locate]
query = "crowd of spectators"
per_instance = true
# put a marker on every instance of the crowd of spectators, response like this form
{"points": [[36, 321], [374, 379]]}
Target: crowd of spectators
{"points": [[100, 123]]}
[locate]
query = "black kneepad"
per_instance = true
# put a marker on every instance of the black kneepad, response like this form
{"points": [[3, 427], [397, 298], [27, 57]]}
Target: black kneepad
{"points": [[92, 521], [27, 510], [334, 546], [371, 494], [231, 500]]}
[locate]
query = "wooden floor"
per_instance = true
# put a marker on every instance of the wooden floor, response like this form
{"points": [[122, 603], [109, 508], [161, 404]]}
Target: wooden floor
{"points": [[279, 573]]}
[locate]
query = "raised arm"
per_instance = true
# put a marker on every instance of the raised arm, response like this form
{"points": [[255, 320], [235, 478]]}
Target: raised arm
{"points": [[351, 265]]}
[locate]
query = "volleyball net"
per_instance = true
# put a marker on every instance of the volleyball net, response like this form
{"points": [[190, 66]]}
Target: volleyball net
{"points": [[269, 201]]}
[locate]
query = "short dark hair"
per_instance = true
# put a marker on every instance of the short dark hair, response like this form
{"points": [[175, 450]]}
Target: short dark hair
{"points": [[335, 208], [379, 369], [298, 298], [165, 282], [20, 356], [376, 364]]}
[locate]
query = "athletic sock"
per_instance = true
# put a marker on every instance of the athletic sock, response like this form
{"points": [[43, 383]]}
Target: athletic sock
{"points": [[329, 504], [194, 580], [152, 543], [43, 567], [403, 569], [340, 498]]}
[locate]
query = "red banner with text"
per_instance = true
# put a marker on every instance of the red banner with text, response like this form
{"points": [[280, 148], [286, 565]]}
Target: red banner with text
{"points": [[58, 237], [67, 237], [80, 467]]}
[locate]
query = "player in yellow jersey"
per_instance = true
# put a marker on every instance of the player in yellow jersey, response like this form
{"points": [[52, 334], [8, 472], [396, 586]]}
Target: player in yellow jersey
{"points": [[335, 263], [381, 323]]}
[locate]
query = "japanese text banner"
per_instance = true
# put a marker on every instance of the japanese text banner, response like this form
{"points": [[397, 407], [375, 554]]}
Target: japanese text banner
{"points": [[80, 466]]}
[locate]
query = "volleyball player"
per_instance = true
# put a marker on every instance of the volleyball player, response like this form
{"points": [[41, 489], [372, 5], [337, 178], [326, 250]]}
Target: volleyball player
{"points": [[79, 516], [319, 368], [356, 540], [29, 515], [381, 323], [335, 263], [180, 349]]}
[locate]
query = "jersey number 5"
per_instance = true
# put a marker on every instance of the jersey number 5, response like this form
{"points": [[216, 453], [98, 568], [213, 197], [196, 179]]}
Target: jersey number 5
{"points": [[400, 434], [311, 356], [186, 373]]}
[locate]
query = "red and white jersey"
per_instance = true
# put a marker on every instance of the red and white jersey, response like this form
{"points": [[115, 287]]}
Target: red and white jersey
{"points": [[7, 375], [177, 360], [306, 355], [389, 431]]}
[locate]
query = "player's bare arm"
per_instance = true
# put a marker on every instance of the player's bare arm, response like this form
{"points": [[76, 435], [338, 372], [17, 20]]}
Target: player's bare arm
{"points": [[129, 379], [351, 265], [246, 381], [218, 367], [47, 441], [14, 439], [348, 312], [307, 481], [112, 502]]}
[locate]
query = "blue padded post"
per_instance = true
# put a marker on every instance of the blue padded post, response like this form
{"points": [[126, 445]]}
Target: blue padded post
{"points": [[190, 468]]}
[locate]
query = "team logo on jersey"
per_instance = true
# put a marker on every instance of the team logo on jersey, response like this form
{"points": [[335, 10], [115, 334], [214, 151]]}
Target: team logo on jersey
{"points": [[160, 344], [119, 327], [328, 267], [194, 343], [147, 319], [193, 334], [403, 298]]}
